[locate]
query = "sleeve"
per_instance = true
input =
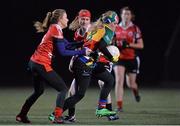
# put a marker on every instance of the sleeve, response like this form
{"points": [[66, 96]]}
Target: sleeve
{"points": [[103, 48], [74, 45], [61, 46], [55, 32]]}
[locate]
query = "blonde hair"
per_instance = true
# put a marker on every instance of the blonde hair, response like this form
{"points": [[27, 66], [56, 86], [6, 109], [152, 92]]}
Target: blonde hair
{"points": [[51, 18], [99, 23], [74, 25]]}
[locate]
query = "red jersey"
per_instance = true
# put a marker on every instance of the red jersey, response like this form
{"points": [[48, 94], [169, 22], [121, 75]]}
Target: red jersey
{"points": [[130, 34], [78, 37], [44, 52]]}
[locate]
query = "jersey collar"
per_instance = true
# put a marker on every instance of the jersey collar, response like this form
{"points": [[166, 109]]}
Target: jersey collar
{"points": [[130, 24]]}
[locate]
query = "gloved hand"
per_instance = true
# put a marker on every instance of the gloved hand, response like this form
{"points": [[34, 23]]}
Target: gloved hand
{"points": [[94, 55], [87, 51], [125, 44], [115, 58]]}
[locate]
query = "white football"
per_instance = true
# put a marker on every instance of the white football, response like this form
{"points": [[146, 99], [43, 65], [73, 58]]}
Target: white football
{"points": [[113, 50]]}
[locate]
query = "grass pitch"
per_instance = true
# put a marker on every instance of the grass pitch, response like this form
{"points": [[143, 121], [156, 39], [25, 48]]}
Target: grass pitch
{"points": [[158, 106]]}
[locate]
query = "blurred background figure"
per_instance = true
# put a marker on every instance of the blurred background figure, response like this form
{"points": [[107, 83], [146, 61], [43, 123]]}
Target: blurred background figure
{"points": [[128, 40]]}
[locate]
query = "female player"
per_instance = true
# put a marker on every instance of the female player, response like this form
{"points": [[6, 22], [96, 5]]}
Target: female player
{"points": [[40, 63], [128, 39], [81, 24], [99, 36]]}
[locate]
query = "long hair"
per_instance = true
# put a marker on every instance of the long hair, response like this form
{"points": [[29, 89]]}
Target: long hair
{"points": [[51, 18], [99, 23]]}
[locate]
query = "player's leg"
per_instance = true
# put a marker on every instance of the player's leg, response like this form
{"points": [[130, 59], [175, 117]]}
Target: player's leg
{"points": [[55, 81], [83, 83], [132, 71], [119, 85], [108, 80], [132, 84], [109, 102], [38, 90], [71, 111]]}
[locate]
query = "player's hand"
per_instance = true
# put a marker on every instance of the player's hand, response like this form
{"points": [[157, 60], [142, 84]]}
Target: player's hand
{"points": [[115, 58], [87, 51], [125, 44], [94, 55]]}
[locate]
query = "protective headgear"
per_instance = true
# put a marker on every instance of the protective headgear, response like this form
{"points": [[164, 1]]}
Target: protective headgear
{"points": [[113, 17], [85, 13]]}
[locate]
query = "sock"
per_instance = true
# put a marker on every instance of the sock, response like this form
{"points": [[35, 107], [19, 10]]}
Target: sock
{"points": [[109, 106], [71, 112], [102, 104], [58, 112], [119, 104]]}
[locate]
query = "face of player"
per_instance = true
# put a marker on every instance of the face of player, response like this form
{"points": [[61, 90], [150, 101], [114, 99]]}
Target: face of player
{"points": [[126, 16], [84, 21], [63, 21], [113, 25]]}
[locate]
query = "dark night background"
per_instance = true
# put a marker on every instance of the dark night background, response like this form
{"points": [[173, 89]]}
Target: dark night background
{"points": [[159, 22]]}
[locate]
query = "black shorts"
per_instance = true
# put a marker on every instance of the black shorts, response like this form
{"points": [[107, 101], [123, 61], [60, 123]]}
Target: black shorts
{"points": [[132, 66]]}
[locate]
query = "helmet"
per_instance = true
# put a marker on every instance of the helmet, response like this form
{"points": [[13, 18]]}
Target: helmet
{"points": [[109, 18]]}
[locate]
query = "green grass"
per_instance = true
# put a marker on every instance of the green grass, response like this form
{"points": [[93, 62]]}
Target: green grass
{"points": [[158, 106]]}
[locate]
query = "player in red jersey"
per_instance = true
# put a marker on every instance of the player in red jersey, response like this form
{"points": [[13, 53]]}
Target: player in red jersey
{"points": [[40, 63], [128, 40], [80, 25]]}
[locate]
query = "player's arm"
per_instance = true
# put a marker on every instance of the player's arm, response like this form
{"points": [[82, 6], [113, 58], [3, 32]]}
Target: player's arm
{"points": [[102, 45], [74, 45], [61, 46], [138, 45]]}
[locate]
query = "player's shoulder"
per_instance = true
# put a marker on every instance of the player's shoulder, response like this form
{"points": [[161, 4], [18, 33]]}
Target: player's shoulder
{"points": [[55, 30], [55, 27]]}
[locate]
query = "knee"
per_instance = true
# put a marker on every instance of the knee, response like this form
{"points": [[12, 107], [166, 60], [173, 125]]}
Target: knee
{"points": [[109, 82], [132, 83]]}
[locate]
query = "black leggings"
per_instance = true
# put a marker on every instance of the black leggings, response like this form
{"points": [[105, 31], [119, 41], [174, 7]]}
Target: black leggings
{"points": [[82, 77], [41, 76]]}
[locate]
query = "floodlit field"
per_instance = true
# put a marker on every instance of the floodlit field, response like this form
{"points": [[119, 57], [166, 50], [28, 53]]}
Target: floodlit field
{"points": [[158, 106]]}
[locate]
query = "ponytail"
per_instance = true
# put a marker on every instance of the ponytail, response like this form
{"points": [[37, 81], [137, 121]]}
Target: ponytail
{"points": [[42, 27]]}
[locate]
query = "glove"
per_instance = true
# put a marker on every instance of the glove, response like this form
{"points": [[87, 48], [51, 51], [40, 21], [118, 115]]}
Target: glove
{"points": [[94, 55], [88, 51], [115, 58], [125, 44]]}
